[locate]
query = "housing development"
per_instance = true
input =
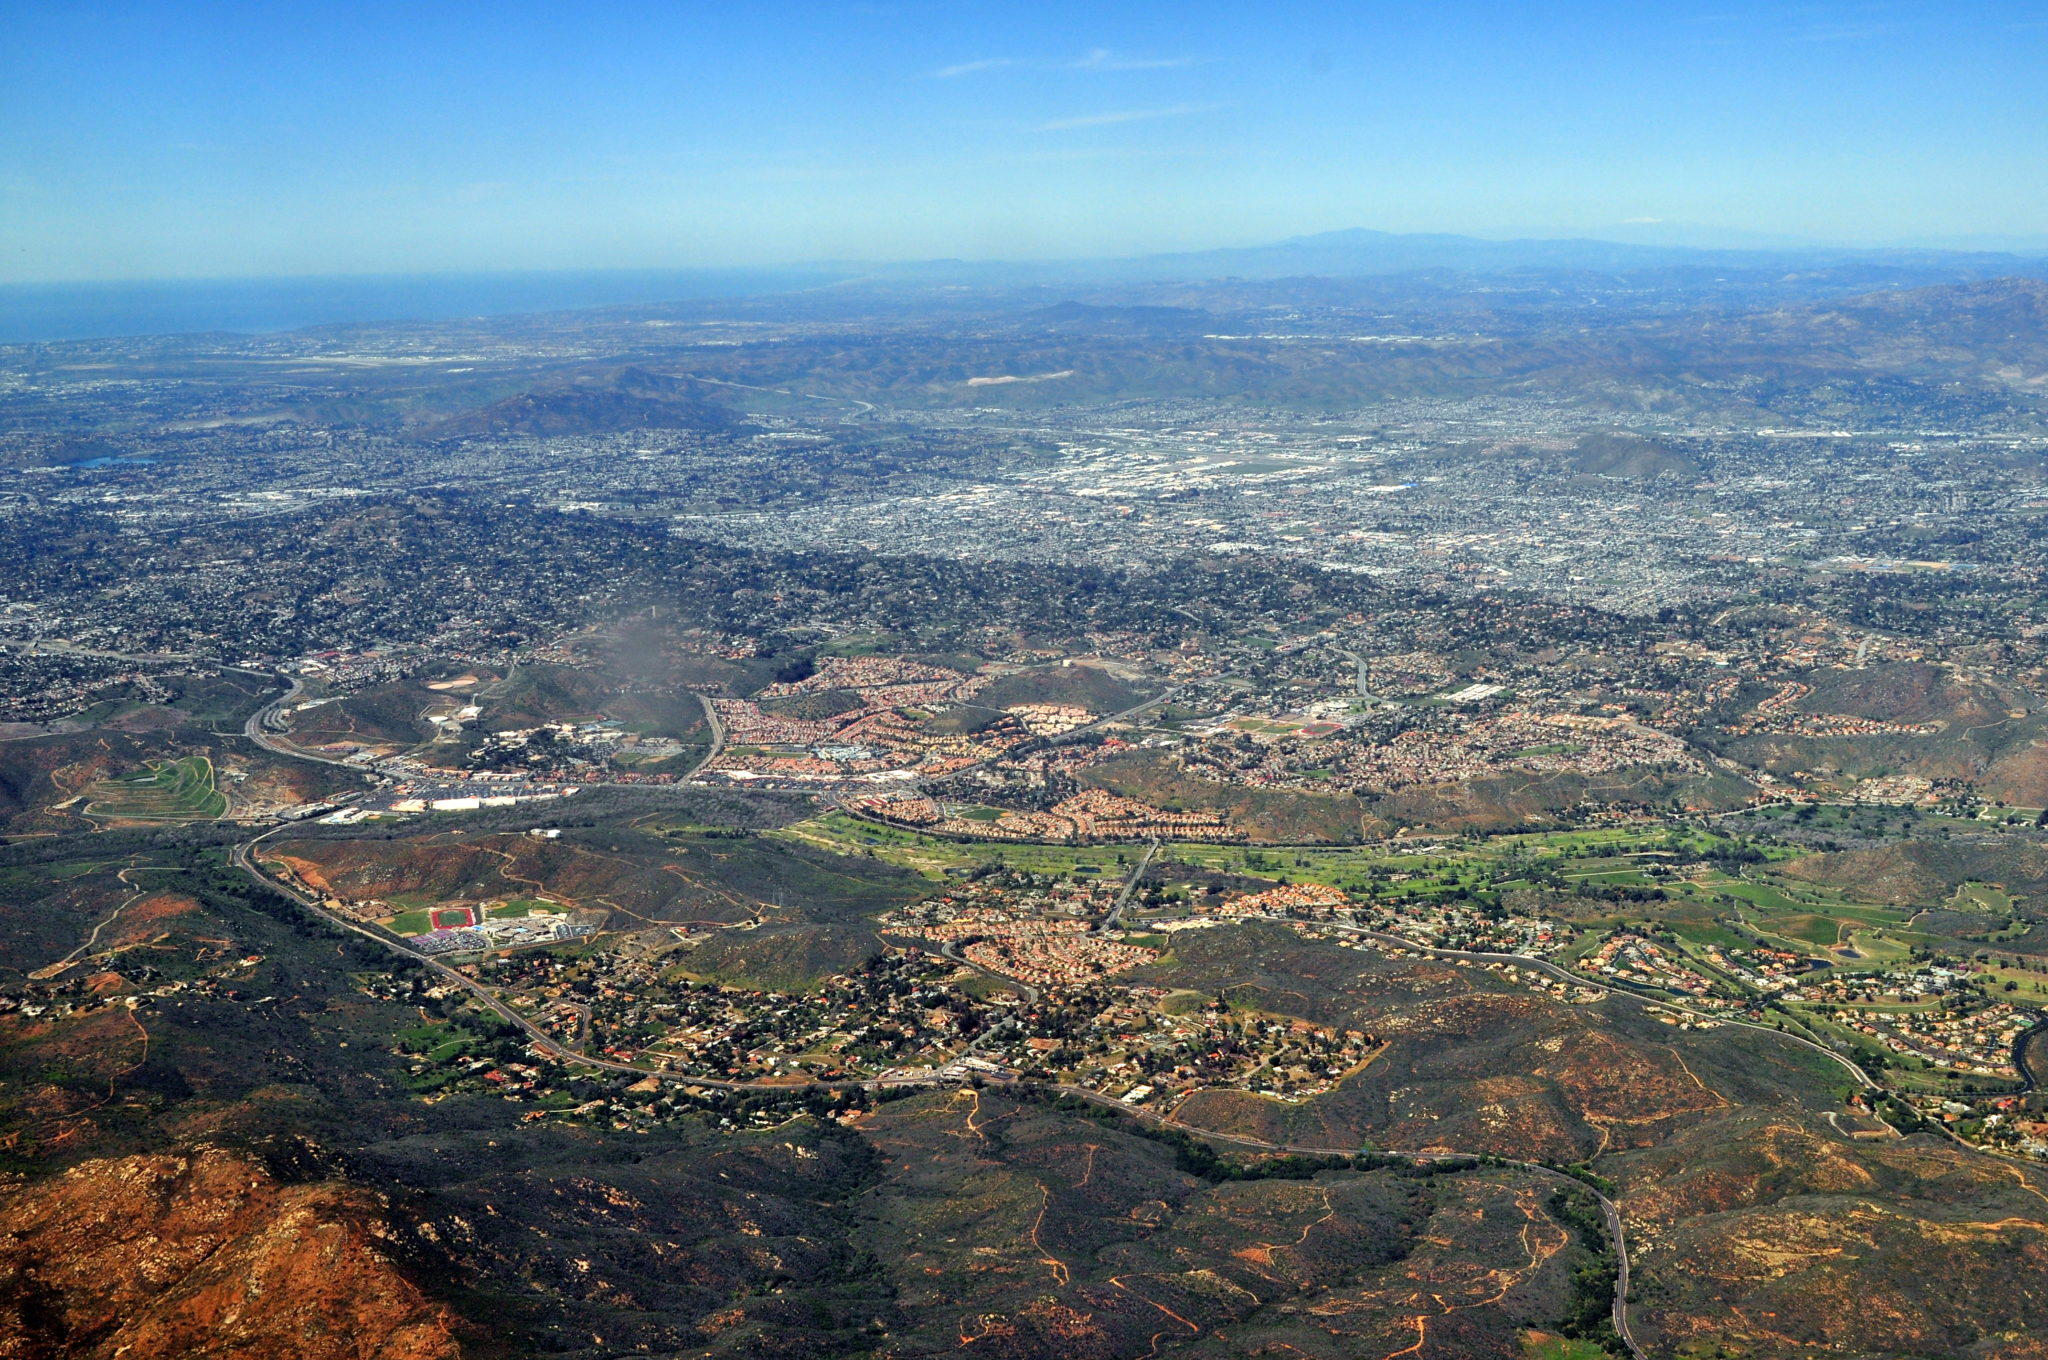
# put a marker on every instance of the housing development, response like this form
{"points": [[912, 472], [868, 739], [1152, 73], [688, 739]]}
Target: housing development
{"points": [[1381, 816]]}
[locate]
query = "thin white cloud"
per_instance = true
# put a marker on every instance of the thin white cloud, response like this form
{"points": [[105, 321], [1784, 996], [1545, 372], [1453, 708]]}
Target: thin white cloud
{"points": [[968, 68], [1102, 59], [1847, 33], [1089, 120]]}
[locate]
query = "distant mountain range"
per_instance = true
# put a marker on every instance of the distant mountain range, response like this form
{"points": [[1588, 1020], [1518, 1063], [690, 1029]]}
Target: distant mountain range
{"points": [[1360, 252], [33, 312]]}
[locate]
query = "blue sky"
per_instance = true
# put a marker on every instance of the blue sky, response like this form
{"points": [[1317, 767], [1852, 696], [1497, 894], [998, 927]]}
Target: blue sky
{"points": [[194, 139]]}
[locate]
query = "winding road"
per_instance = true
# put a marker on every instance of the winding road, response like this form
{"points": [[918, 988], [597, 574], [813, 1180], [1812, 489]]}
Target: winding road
{"points": [[256, 729], [1862, 1077], [242, 857]]}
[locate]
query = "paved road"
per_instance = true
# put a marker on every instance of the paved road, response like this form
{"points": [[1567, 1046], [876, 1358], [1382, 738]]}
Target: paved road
{"points": [[717, 726], [58, 647], [2021, 1062], [950, 950], [241, 857], [866, 407], [1862, 1077], [1163, 697], [255, 730], [1123, 898], [1359, 662], [1612, 1214]]}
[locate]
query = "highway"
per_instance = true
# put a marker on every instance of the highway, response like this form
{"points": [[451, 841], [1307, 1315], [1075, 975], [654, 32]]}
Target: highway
{"points": [[242, 857], [717, 726], [58, 647], [1163, 697], [255, 729], [1123, 898], [1363, 674], [866, 407]]}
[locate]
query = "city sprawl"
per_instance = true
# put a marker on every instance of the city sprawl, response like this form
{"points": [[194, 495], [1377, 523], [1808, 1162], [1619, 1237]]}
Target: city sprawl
{"points": [[964, 821]]}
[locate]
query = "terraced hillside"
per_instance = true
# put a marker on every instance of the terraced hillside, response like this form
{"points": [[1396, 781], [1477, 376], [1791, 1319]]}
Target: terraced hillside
{"points": [[177, 790], [50, 783]]}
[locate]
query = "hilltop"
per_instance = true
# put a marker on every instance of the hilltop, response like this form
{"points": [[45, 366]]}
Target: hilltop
{"points": [[630, 399]]}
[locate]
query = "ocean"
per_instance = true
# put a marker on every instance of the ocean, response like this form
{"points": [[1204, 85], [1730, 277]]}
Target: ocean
{"points": [[78, 311]]}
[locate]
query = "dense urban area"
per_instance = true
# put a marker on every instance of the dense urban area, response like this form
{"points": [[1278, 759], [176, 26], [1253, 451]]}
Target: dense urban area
{"points": [[1325, 817]]}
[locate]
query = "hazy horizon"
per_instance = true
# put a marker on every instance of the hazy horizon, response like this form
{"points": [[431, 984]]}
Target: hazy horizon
{"points": [[264, 304], [1676, 236], [152, 141]]}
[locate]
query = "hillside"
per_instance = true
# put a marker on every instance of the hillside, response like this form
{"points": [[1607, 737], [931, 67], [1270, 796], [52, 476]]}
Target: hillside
{"points": [[1628, 455], [1928, 872], [1079, 686], [632, 399], [1470, 1063], [208, 1252], [633, 875], [1000, 1215], [1762, 1236], [2003, 315]]}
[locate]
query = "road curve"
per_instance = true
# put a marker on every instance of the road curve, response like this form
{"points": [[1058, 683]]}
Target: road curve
{"points": [[254, 729], [2021, 1062], [242, 858], [1863, 1078]]}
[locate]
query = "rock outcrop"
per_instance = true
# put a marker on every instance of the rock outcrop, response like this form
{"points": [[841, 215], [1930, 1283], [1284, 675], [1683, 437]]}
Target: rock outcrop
{"points": [[206, 1253]]}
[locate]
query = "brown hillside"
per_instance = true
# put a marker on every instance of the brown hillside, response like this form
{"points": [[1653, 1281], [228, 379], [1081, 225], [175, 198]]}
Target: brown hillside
{"points": [[630, 399], [157, 1257], [1629, 455], [1926, 872]]}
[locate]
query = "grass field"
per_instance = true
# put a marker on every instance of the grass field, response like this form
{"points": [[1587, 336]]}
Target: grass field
{"points": [[1983, 897], [1700, 932], [524, 906], [1608, 856], [1877, 951], [1702, 905], [935, 856], [2029, 986], [168, 791], [1550, 1346]]}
